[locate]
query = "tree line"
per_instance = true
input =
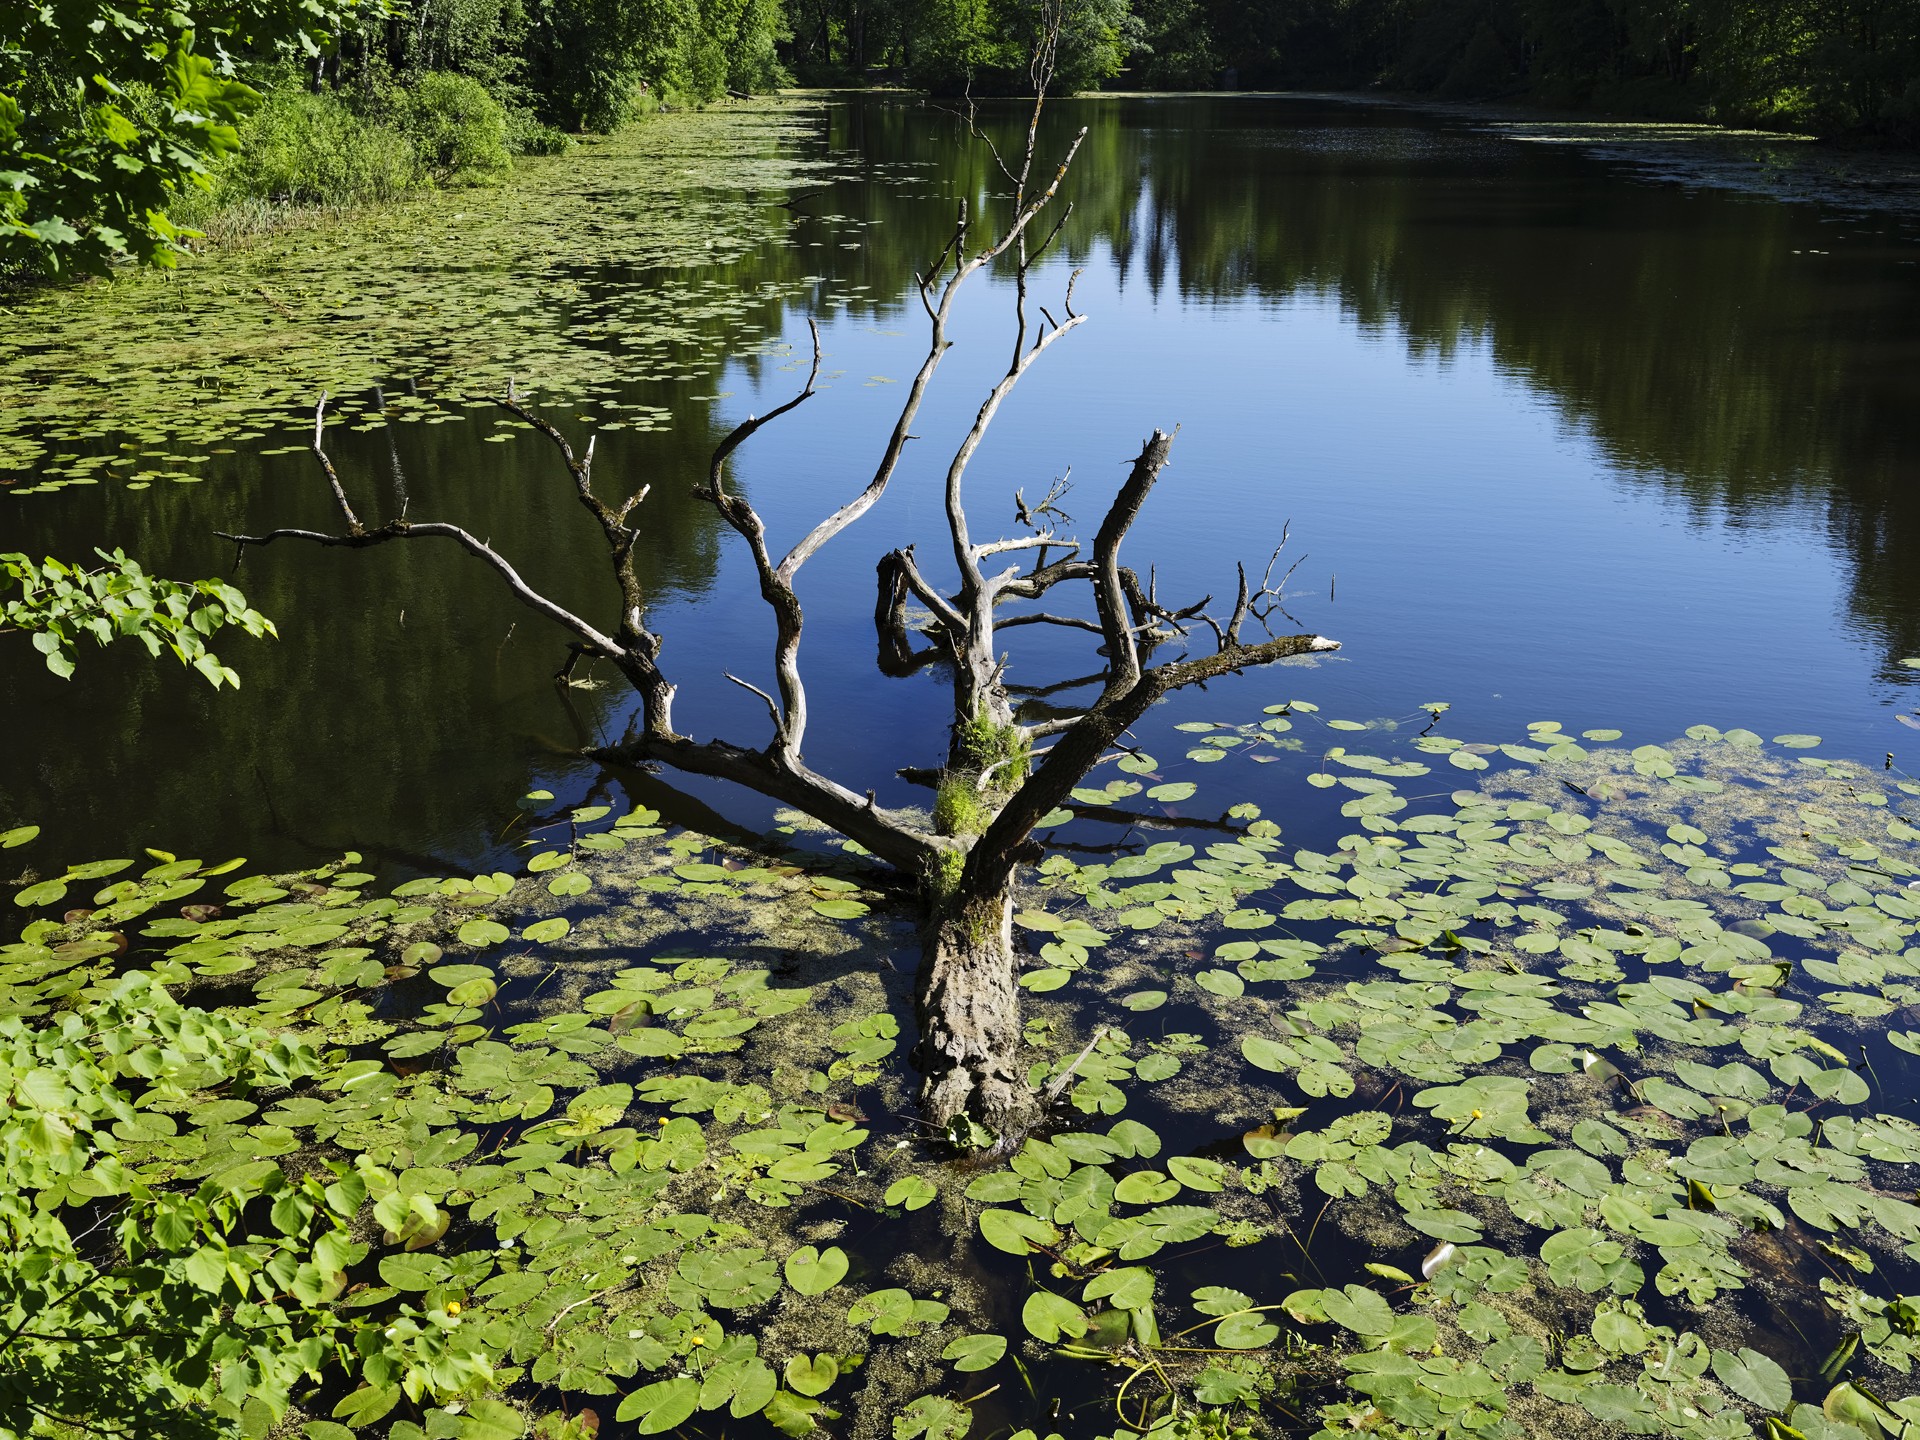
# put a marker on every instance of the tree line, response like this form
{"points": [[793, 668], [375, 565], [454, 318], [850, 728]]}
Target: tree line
{"points": [[1827, 66], [127, 125], [118, 121]]}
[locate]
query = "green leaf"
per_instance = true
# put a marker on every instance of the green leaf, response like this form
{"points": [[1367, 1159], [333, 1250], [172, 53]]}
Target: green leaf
{"points": [[1358, 1309], [911, 1192], [975, 1352], [932, 1417], [1015, 1231], [1048, 1316], [366, 1404], [1224, 983], [1220, 1300], [840, 909], [47, 892], [1127, 1288], [659, 1407], [486, 1419], [814, 1272], [1244, 1332], [542, 931], [481, 933], [1145, 1187], [1198, 1174], [812, 1374], [1754, 1378]]}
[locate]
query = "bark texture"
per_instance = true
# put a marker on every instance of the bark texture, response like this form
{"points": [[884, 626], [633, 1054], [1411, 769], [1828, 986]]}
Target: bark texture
{"points": [[968, 999]]}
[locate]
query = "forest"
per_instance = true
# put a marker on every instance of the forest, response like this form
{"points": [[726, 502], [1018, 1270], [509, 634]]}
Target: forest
{"points": [[1846, 67], [120, 138]]}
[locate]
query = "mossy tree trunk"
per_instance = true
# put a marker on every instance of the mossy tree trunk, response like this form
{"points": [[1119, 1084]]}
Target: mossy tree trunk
{"points": [[968, 1002]]}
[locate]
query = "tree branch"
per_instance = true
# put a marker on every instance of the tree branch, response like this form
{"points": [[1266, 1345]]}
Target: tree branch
{"points": [[354, 526], [1123, 657], [594, 639]]}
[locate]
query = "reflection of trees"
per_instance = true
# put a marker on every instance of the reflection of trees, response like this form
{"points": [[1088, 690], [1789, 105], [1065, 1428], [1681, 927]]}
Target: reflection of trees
{"points": [[1681, 329], [358, 727], [1695, 335]]}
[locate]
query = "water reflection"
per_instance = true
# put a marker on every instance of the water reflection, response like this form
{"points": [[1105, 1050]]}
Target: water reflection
{"points": [[1749, 364], [1748, 356]]}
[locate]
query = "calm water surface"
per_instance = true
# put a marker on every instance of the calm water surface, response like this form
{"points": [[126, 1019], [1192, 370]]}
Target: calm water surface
{"points": [[1562, 437]]}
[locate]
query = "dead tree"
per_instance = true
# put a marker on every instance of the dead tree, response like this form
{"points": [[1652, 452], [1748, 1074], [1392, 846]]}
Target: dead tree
{"points": [[1001, 776]]}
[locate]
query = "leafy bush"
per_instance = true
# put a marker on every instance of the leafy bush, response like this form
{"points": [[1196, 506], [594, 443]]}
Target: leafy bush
{"points": [[314, 149], [528, 134], [458, 131], [59, 602]]}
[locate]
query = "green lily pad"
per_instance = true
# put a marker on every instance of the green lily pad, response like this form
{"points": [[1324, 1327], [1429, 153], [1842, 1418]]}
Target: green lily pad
{"points": [[812, 1374], [975, 1352], [814, 1272]]}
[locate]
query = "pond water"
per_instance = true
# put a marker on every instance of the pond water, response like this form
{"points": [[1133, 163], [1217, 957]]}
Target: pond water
{"points": [[1560, 434], [1563, 435]]}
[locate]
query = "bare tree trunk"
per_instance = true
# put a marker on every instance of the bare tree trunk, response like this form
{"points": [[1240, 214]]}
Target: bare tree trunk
{"points": [[968, 1001]]}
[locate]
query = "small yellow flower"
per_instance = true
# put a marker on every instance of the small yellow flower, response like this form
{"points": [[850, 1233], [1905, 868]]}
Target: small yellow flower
{"points": [[1476, 1114], [661, 1121], [453, 1307], [698, 1340]]}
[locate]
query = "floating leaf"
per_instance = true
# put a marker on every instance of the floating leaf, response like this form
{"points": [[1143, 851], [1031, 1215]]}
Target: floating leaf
{"points": [[911, 1192], [975, 1352], [1245, 1332], [1126, 1288], [1015, 1231], [46, 892], [659, 1407], [1048, 1316], [1753, 1377], [812, 1374], [481, 933]]}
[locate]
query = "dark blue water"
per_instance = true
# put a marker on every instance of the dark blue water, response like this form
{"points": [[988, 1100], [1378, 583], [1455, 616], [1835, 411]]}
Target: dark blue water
{"points": [[1560, 435]]}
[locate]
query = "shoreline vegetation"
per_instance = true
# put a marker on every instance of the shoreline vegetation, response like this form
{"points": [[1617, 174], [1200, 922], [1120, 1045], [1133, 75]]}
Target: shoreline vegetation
{"points": [[125, 135], [296, 181], [315, 160]]}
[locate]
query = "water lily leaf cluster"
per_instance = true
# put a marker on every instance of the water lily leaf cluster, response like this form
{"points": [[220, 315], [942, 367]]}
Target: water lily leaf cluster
{"points": [[1524, 1108], [220, 356]]}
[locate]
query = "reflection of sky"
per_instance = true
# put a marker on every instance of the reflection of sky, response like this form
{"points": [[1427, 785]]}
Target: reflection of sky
{"points": [[1481, 551], [1578, 447]]}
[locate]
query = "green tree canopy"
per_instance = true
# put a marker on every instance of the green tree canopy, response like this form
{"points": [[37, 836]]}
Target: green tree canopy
{"points": [[107, 109]]}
